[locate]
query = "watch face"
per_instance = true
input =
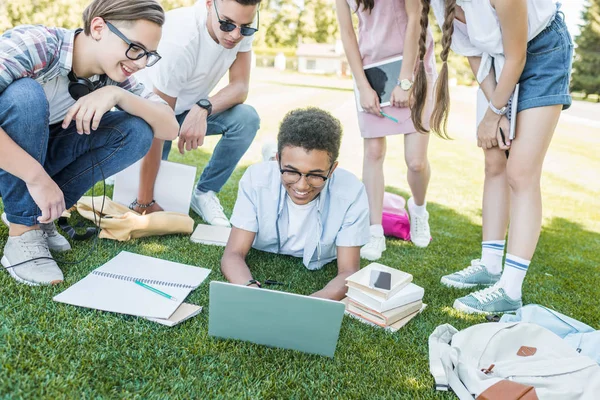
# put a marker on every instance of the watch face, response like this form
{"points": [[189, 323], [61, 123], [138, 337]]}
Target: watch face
{"points": [[204, 103], [405, 84]]}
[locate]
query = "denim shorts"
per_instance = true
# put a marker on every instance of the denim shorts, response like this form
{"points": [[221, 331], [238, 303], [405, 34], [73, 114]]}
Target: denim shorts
{"points": [[545, 78]]}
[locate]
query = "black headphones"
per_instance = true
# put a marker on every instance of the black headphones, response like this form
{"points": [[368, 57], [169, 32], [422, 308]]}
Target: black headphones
{"points": [[79, 87]]}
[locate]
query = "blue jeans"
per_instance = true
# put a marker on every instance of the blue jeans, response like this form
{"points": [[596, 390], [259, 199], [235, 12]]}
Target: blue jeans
{"points": [[238, 125], [120, 140]]}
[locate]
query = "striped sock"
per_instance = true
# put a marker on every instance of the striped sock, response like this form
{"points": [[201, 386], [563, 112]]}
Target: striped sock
{"points": [[515, 269], [491, 255]]}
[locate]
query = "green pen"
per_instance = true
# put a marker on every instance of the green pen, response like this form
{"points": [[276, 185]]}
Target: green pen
{"points": [[389, 116], [168, 296]]}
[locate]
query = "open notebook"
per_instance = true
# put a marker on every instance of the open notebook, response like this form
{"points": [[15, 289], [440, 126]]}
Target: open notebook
{"points": [[112, 286]]}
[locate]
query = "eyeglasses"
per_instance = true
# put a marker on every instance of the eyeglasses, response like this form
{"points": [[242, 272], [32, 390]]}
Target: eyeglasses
{"points": [[134, 51], [227, 26], [314, 180]]}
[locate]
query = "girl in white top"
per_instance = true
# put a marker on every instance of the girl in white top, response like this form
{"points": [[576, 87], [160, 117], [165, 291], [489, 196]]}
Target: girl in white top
{"points": [[507, 43]]}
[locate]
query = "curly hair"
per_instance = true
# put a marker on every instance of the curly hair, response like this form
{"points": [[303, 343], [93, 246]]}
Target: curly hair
{"points": [[311, 129]]}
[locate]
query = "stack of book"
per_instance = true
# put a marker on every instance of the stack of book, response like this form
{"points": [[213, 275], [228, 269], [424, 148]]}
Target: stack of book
{"points": [[387, 308]]}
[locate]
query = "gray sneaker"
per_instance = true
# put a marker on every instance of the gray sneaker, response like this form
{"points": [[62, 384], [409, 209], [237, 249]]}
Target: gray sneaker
{"points": [[488, 301], [56, 241], [28, 246], [475, 274]]}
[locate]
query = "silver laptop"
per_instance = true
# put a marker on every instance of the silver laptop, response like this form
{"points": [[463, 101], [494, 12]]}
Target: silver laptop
{"points": [[275, 319]]}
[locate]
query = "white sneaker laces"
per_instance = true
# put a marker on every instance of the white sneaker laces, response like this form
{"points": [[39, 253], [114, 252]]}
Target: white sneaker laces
{"points": [[471, 269], [420, 225], [487, 295], [214, 206]]}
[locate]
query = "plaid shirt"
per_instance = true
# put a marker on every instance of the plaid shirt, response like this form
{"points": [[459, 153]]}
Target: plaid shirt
{"points": [[41, 53]]}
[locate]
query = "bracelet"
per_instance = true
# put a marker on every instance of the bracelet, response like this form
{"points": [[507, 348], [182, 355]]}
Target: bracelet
{"points": [[497, 111], [136, 204], [254, 282]]}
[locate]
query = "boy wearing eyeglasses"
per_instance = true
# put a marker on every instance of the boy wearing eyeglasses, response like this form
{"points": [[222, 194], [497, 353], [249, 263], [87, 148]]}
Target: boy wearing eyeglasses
{"points": [[201, 44], [58, 135], [301, 205]]}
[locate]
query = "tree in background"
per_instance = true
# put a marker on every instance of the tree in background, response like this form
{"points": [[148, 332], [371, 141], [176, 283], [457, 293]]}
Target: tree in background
{"points": [[586, 68]]}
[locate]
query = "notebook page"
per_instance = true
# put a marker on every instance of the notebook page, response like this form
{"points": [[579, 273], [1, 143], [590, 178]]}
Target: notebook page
{"points": [[109, 291]]}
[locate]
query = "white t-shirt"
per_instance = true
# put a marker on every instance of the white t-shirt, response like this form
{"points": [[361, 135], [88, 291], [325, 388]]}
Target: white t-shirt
{"points": [[299, 215], [192, 63]]}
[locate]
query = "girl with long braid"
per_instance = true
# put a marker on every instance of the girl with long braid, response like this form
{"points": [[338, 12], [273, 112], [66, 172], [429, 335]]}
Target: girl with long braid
{"points": [[506, 42], [390, 28]]}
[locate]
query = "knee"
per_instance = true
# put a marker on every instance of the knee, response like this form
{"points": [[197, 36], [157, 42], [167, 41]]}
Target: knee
{"points": [[416, 165], [520, 179], [374, 150], [137, 138], [26, 102], [248, 119], [494, 168]]}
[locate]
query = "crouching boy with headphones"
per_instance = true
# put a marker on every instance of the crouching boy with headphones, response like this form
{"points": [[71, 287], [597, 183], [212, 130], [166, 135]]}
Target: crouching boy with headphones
{"points": [[57, 133]]}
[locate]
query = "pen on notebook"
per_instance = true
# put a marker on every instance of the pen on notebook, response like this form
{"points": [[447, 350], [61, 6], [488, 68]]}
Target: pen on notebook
{"points": [[389, 116], [160, 292]]}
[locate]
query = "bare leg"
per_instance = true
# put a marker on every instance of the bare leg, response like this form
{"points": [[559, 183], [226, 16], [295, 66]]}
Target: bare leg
{"points": [[496, 199], [535, 128], [374, 154], [419, 171], [148, 172]]}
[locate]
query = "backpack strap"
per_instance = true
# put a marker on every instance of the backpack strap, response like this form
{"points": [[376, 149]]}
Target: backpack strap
{"points": [[443, 360]]}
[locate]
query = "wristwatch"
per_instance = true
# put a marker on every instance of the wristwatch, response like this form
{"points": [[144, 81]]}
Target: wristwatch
{"points": [[405, 84], [254, 282], [500, 111], [206, 104]]}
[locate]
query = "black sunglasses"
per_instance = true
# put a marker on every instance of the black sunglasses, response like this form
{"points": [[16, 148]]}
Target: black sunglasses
{"points": [[227, 26], [134, 51]]}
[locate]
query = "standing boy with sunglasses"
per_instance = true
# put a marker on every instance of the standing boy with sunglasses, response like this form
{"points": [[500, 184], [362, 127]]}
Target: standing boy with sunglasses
{"points": [[58, 135], [199, 45], [301, 205]]}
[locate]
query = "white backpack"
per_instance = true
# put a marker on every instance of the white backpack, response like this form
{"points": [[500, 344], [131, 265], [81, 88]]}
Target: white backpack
{"points": [[471, 361]]}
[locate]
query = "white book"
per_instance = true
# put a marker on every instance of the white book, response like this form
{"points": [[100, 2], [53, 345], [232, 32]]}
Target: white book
{"points": [[407, 295], [211, 235], [112, 286], [382, 77], [172, 189], [395, 327], [361, 280]]}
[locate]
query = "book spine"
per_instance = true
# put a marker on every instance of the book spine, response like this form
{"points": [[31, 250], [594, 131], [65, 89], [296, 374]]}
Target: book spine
{"points": [[143, 280]]}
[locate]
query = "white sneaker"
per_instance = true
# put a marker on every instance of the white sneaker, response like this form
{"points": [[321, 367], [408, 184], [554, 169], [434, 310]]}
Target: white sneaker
{"points": [[207, 206], [372, 251], [420, 234], [26, 249], [56, 241], [269, 150]]}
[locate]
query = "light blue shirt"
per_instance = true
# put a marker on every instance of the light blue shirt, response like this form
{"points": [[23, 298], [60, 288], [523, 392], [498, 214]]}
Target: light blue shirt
{"points": [[341, 217]]}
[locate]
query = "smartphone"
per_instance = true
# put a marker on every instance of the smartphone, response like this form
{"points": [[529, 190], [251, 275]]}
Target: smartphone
{"points": [[380, 280]]}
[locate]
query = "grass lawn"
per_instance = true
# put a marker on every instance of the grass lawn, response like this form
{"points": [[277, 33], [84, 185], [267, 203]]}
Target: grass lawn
{"points": [[53, 350]]}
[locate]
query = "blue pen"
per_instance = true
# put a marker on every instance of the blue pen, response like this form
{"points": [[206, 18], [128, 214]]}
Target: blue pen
{"points": [[159, 292], [389, 116]]}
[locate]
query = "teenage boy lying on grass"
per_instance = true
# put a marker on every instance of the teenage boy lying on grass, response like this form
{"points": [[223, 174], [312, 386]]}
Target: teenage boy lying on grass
{"points": [[301, 205]]}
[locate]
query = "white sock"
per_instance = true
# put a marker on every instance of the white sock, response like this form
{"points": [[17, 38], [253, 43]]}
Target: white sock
{"points": [[376, 230], [492, 252], [415, 209], [515, 269]]}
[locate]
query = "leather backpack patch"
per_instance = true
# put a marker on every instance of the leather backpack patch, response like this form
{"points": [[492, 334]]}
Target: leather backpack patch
{"points": [[525, 351]]}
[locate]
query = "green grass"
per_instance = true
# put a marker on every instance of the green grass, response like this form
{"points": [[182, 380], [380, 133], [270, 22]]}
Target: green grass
{"points": [[53, 350]]}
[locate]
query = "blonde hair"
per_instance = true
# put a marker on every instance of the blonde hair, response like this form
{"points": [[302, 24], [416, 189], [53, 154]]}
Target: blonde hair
{"points": [[123, 10], [439, 117]]}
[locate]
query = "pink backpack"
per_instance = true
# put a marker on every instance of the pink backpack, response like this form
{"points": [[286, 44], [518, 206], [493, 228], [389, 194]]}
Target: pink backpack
{"points": [[395, 219]]}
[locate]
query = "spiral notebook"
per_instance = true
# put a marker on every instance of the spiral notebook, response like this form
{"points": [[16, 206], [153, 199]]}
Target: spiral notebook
{"points": [[112, 287]]}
